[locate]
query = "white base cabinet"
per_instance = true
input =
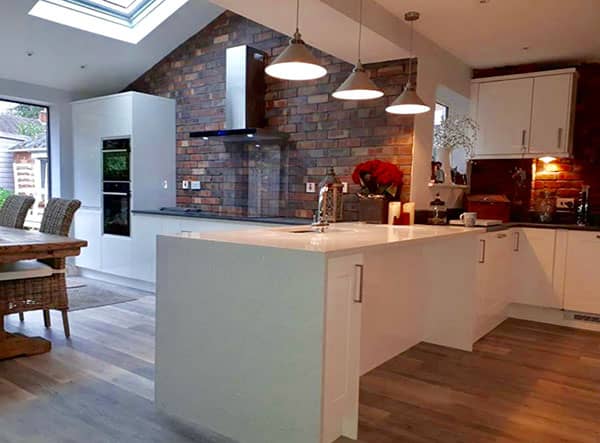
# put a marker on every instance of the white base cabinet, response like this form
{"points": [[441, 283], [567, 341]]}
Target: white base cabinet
{"points": [[533, 262], [582, 276]]}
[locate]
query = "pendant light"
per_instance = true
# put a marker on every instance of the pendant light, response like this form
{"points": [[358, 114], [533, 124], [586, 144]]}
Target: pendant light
{"points": [[409, 102], [358, 85], [296, 62]]}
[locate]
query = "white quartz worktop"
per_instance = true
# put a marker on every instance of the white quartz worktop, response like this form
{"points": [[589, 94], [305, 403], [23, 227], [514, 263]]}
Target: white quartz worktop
{"points": [[339, 237]]}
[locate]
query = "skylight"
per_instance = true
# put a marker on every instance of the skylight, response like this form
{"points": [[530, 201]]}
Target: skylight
{"points": [[126, 20]]}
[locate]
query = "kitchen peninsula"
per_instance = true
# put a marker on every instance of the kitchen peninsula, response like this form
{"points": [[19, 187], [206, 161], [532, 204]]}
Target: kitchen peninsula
{"points": [[262, 334]]}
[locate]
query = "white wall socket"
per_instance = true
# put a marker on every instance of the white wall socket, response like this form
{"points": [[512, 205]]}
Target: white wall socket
{"points": [[195, 185], [311, 187], [345, 187], [185, 184]]}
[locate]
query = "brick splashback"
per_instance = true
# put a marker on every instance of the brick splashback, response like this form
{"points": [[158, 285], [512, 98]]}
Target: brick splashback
{"points": [[322, 131], [566, 176]]}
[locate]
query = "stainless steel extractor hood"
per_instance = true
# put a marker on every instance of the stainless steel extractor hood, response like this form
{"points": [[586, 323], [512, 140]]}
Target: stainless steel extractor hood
{"points": [[244, 99]]}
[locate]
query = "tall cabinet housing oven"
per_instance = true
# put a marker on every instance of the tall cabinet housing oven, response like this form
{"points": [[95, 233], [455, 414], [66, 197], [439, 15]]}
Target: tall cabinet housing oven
{"points": [[124, 159]]}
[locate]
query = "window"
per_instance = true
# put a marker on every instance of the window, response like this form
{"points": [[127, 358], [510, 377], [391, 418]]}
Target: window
{"points": [[440, 114], [126, 20], [24, 160]]}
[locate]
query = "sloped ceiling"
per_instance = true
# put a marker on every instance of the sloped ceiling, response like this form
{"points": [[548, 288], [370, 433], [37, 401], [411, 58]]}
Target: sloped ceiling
{"points": [[60, 51]]}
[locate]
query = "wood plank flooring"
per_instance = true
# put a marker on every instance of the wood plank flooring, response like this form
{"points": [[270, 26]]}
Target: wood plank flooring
{"points": [[525, 382]]}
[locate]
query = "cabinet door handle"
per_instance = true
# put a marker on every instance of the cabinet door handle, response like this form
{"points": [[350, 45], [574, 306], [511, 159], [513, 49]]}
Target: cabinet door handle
{"points": [[560, 131], [523, 136], [517, 241], [359, 269], [501, 236], [482, 251]]}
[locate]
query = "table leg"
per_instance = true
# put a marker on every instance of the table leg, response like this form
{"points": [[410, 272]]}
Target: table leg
{"points": [[17, 345]]}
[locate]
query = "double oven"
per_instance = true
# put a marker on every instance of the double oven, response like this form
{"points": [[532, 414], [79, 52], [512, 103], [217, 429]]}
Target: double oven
{"points": [[116, 186]]}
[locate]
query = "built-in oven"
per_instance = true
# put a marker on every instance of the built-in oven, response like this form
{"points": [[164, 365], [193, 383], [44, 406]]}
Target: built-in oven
{"points": [[117, 208], [116, 186], [115, 160]]}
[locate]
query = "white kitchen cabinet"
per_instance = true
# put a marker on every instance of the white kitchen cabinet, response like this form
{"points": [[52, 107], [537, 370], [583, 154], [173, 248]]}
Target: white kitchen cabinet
{"points": [[94, 120], [503, 115], [582, 279], [87, 227], [533, 261], [528, 115], [551, 114], [492, 294], [343, 307], [117, 255]]}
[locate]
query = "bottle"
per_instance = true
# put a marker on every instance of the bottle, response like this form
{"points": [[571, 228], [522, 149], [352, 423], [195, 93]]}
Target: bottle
{"points": [[583, 206]]}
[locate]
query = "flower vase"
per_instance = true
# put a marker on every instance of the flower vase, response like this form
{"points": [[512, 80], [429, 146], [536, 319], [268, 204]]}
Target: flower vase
{"points": [[373, 209]]}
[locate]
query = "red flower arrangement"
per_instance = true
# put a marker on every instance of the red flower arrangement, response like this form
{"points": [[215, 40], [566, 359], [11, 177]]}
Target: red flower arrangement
{"points": [[377, 177]]}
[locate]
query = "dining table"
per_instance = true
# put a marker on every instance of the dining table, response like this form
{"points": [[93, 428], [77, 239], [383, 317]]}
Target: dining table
{"points": [[23, 244]]}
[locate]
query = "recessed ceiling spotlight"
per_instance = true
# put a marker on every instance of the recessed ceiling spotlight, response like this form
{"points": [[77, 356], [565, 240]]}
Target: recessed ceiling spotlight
{"points": [[483, 2], [83, 67], [204, 138], [525, 48], [29, 53]]}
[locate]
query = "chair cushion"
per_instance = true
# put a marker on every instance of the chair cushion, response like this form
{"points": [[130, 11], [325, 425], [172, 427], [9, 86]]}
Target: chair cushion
{"points": [[24, 269]]}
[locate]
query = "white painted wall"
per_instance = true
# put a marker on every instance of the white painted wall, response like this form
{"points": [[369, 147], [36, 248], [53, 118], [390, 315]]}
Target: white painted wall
{"points": [[61, 144]]}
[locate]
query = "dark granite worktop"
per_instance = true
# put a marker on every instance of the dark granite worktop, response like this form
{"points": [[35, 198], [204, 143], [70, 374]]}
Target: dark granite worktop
{"points": [[569, 226], [190, 213]]}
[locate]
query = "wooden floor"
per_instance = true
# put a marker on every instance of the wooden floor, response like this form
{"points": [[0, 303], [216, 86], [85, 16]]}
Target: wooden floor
{"points": [[525, 382]]}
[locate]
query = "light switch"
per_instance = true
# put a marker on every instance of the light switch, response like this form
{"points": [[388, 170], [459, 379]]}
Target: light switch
{"points": [[195, 185], [311, 187], [185, 184], [345, 187]]}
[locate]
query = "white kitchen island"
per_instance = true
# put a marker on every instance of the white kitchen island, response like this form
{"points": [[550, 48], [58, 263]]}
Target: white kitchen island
{"points": [[262, 335]]}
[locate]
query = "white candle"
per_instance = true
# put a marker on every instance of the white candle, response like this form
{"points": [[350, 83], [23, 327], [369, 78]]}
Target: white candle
{"points": [[410, 209], [394, 210]]}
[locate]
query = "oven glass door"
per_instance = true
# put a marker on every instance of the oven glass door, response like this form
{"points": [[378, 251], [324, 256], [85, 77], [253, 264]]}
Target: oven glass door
{"points": [[115, 165], [116, 213]]}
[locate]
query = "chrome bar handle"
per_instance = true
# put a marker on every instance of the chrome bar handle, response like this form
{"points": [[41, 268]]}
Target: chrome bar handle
{"points": [[517, 241], [560, 131], [359, 269], [482, 251]]}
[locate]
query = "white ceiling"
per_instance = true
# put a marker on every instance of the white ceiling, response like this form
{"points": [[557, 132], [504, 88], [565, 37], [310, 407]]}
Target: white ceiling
{"points": [[60, 51], [495, 33]]}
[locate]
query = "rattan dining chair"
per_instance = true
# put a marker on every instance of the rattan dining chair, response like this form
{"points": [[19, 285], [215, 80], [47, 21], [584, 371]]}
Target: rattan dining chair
{"points": [[14, 210], [51, 292]]}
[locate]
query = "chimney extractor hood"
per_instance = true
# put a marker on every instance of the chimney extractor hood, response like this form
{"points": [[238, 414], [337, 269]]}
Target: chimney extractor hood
{"points": [[244, 99]]}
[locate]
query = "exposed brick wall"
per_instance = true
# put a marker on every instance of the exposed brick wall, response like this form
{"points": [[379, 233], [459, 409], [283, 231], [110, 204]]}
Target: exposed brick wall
{"points": [[322, 131], [566, 176]]}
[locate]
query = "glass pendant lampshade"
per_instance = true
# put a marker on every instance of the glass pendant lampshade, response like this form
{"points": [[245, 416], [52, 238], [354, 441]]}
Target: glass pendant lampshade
{"points": [[409, 101], [358, 85], [296, 62]]}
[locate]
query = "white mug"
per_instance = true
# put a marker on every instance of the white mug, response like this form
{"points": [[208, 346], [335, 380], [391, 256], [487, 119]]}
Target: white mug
{"points": [[469, 218]]}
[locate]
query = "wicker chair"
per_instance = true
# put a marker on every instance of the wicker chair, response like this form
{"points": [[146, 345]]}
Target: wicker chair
{"points": [[44, 292], [14, 210]]}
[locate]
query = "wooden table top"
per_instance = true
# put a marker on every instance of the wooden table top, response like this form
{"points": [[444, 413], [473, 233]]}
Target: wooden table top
{"points": [[21, 244]]}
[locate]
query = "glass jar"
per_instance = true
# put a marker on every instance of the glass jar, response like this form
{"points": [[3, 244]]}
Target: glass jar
{"points": [[545, 206], [438, 213]]}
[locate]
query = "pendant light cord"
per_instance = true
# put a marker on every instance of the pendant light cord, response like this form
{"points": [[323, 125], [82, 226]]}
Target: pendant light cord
{"points": [[410, 54], [360, 19], [297, 16]]}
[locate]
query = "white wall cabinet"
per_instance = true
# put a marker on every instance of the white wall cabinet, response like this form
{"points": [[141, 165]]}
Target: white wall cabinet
{"points": [[504, 114], [582, 279], [533, 261], [342, 347], [527, 115]]}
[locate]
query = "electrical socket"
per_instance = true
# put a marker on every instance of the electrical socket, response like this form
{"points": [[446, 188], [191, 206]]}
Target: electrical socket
{"points": [[195, 185], [311, 187], [345, 187], [565, 203], [185, 184]]}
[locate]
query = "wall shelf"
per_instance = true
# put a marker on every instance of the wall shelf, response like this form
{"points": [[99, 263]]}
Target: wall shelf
{"points": [[447, 186]]}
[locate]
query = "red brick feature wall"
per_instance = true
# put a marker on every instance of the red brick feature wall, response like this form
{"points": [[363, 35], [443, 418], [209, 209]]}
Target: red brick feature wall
{"points": [[566, 176], [322, 131]]}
